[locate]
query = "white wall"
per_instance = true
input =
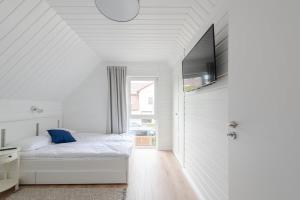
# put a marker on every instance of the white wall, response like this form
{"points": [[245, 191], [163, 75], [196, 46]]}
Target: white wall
{"points": [[19, 122], [41, 61], [200, 141], [41, 57], [85, 108], [206, 156]]}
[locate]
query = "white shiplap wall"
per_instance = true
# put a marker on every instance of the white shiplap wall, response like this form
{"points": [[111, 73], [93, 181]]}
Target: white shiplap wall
{"points": [[41, 57], [205, 117], [206, 141], [19, 122]]}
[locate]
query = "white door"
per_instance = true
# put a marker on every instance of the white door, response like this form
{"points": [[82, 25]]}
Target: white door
{"points": [[176, 114], [264, 98]]}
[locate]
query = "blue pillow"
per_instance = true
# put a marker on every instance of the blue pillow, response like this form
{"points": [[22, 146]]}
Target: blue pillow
{"points": [[60, 136]]}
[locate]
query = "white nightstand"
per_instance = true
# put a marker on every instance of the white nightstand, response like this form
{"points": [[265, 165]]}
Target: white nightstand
{"points": [[10, 169]]}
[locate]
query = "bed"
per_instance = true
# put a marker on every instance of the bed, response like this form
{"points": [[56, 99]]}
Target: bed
{"points": [[93, 159]]}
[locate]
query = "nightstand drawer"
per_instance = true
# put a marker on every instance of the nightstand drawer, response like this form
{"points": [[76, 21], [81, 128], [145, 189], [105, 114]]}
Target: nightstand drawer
{"points": [[8, 157]]}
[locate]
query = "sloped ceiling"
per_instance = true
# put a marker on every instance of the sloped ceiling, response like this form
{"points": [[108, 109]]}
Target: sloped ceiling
{"points": [[48, 47], [41, 57], [162, 29]]}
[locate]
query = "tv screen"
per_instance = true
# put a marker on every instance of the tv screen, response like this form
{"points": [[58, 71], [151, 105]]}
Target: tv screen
{"points": [[199, 66]]}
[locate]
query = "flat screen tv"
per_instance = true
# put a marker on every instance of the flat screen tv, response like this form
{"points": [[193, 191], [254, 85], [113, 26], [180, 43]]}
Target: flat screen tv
{"points": [[199, 65]]}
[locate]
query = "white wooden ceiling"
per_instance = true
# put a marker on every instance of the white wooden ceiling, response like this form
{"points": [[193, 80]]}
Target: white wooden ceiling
{"points": [[48, 47], [41, 57], [161, 30]]}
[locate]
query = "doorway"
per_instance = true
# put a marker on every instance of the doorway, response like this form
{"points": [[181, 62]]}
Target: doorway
{"points": [[142, 111]]}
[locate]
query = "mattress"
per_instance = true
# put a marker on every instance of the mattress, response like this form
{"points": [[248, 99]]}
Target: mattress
{"points": [[87, 145]]}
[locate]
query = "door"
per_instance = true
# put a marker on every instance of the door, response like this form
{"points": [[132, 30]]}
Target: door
{"points": [[142, 111], [264, 99], [176, 114]]}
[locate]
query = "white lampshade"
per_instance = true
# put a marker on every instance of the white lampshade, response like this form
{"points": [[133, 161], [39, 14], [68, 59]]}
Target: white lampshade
{"points": [[118, 10]]}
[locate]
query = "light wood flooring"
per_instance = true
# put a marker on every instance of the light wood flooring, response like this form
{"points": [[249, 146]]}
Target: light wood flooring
{"points": [[153, 175]]}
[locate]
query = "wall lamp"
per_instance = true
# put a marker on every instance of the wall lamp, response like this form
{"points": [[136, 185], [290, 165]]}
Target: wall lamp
{"points": [[35, 109]]}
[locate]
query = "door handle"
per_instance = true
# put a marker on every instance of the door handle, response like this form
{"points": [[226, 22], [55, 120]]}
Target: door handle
{"points": [[233, 124], [232, 134]]}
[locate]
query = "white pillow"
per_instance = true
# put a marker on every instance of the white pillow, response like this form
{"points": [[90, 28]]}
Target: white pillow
{"points": [[32, 143]]}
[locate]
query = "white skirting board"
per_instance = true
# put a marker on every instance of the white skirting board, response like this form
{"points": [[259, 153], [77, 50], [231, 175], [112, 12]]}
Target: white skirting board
{"points": [[193, 185], [109, 170], [190, 180]]}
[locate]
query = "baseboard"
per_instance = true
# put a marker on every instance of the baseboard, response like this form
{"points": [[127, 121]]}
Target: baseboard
{"points": [[193, 185], [178, 159], [189, 179], [164, 148]]}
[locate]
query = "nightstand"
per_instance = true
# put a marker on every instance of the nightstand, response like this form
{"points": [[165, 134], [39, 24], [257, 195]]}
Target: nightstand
{"points": [[9, 169]]}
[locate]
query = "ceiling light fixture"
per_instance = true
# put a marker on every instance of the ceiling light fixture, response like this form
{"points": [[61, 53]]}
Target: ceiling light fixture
{"points": [[119, 10]]}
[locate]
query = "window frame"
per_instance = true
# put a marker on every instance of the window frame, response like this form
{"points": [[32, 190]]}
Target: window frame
{"points": [[155, 102]]}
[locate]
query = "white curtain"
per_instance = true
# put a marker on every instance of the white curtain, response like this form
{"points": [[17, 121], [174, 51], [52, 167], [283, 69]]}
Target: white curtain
{"points": [[117, 106]]}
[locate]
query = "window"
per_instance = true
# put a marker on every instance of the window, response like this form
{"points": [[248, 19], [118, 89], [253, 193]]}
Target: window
{"points": [[150, 100], [141, 97], [142, 123]]}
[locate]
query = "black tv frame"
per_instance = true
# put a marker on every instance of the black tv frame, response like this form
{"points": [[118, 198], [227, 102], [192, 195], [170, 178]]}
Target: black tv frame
{"points": [[215, 61]]}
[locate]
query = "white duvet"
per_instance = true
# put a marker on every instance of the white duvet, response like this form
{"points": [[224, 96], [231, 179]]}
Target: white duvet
{"points": [[88, 145]]}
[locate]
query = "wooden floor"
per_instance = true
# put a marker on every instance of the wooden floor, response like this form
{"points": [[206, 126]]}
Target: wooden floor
{"points": [[153, 175], [156, 175]]}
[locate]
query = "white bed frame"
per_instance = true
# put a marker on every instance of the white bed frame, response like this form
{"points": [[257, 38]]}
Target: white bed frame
{"points": [[107, 170]]}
